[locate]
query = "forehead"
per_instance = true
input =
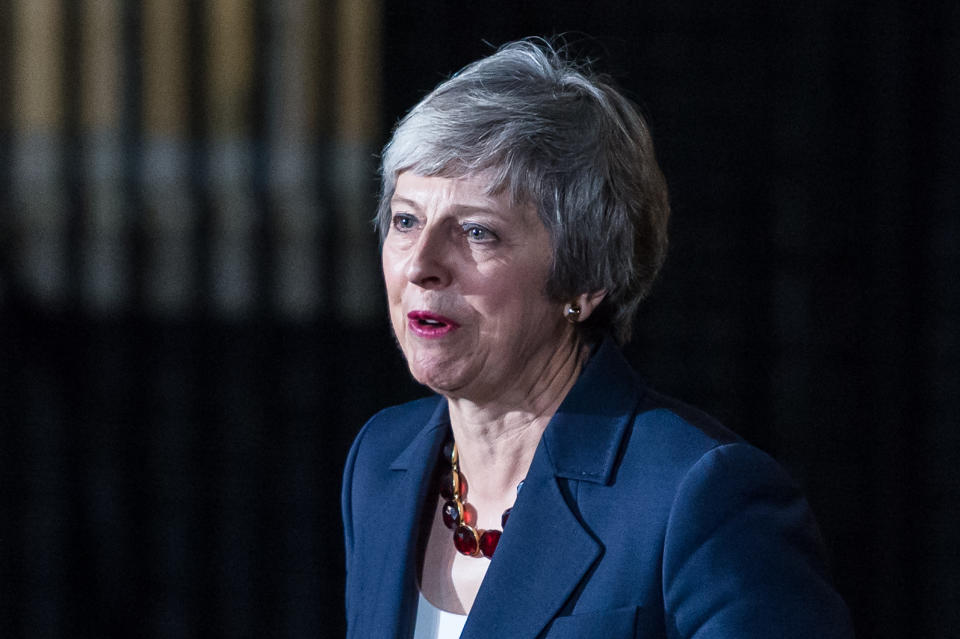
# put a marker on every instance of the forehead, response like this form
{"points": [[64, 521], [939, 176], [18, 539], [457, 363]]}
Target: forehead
{"points": [[471, 189], [470, 192]]}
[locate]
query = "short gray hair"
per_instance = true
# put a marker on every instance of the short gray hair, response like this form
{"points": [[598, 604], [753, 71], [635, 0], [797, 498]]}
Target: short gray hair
{"points": [[565, 140]]}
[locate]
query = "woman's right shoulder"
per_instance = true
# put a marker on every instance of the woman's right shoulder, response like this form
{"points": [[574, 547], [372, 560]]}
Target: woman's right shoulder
{"points": [[381, 443], [391, 430]]}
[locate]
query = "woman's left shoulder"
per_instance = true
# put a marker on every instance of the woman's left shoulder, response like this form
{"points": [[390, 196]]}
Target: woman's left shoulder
{"points": [[672, 436], [738, 519], [698, 462]]}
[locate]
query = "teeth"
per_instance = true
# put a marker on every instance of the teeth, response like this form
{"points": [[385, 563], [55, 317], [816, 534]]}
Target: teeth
{"points": [[431, 322]]}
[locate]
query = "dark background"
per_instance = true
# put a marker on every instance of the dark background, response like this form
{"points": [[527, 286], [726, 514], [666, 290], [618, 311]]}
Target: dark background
{"points": [[180, 477]]}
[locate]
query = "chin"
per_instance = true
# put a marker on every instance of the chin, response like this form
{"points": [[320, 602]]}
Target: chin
{"points": [[436, 383], [435, 378]]}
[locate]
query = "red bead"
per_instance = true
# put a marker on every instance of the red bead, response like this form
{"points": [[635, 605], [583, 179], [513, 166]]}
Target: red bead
{"points": [[451, 514], [460, 516], [465, 540], [448, 484], [488, 542]]}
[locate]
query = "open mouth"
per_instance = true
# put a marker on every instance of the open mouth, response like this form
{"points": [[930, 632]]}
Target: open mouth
{"points": [[425, 322]]}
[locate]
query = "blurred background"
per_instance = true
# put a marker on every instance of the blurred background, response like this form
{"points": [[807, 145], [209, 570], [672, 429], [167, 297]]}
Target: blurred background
{"points": [[192, 328]]}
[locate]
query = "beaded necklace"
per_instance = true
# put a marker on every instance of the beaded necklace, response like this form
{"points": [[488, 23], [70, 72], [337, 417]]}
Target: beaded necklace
{"points": [[467, 539]]}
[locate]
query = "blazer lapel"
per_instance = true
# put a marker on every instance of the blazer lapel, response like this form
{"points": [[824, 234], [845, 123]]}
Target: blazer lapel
{"points": [[542, 557], [545, 551], [393, 565]]}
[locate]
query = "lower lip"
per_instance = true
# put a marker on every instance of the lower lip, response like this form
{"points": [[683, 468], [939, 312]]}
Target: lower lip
{"points": [[430, 331]]}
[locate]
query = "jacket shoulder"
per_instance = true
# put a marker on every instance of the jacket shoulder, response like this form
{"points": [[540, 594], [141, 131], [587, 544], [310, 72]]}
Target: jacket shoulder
{"points": [[393, 428], [673, 430], [380, 441]]}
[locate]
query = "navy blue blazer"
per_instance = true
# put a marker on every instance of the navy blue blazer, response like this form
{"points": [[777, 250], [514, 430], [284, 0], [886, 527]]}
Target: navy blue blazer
{"points": [[639, 517]]}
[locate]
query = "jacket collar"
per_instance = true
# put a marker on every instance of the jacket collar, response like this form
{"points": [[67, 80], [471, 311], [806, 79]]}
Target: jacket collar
{"points": [[584, 436], [412, 456], [391, 567]]}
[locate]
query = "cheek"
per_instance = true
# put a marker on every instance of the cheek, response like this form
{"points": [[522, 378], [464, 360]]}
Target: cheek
{"points": [[392, 275], [516, 310], [393, 291], [522, 290]]}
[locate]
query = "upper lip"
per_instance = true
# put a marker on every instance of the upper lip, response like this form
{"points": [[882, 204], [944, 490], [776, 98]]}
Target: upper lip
{"points": [[432, 317]]}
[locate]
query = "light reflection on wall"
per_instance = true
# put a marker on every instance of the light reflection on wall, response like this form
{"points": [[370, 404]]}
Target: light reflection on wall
{"points": [[179, 158]]}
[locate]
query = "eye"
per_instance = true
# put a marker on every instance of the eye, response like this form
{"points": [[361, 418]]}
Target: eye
{"points": [[404, 222], [477, 233]]}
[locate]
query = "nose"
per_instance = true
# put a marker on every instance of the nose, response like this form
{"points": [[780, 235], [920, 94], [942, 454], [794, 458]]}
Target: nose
{"points": [[428, 266]]}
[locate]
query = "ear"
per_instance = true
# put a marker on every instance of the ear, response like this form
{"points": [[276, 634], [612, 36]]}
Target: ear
{"points": [[589, 302]]}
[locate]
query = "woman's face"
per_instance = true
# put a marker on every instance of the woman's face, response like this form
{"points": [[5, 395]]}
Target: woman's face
{"points": [[466, 274]]}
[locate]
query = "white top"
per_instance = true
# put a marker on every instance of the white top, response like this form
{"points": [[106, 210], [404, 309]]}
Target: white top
{"points": [[433, 623]]}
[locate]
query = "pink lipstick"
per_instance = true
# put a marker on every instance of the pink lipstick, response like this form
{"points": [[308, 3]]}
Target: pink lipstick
{"points": [[430, 325]]}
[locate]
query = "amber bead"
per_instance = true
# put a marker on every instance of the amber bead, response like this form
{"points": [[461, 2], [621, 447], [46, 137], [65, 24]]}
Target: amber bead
{"points": [[468, 515]]}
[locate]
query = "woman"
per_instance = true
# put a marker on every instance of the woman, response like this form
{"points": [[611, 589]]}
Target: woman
{"points": [[523, 217]]}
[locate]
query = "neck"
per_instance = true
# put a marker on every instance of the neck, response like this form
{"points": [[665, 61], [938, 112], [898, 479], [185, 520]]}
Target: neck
{"points": [[497, 439]]}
